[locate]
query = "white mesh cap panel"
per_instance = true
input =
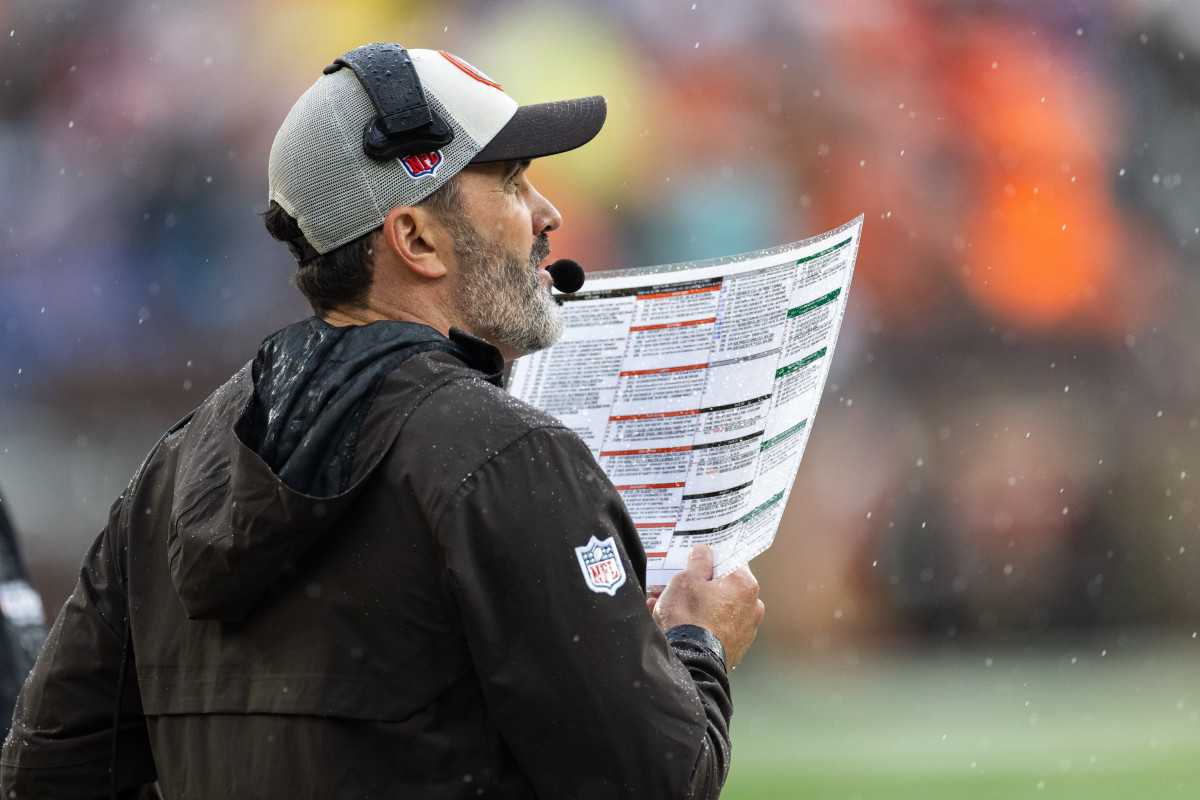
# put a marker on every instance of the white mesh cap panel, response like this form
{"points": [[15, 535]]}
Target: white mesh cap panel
{"points": [[315, 170], [320, 175]]}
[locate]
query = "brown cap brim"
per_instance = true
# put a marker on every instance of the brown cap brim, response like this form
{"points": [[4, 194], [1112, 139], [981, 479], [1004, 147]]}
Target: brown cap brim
{"points": [[544, 129]]}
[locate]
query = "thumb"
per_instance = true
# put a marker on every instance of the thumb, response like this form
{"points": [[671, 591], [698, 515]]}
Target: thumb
{"points": [[700, 561]]}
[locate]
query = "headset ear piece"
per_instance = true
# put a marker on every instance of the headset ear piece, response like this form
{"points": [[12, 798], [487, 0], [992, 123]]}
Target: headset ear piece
{"points": [[405, 124], [382, 146]]}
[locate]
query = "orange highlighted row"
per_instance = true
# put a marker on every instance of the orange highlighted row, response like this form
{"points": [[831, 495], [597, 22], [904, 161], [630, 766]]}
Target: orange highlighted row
{"points": [[634, 486], [657, 415], [664, 370], [682, 449], [660, 295], [665, 325]]}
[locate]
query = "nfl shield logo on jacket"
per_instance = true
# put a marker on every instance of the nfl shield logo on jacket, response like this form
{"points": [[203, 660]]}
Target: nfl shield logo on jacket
{"points": [[601, 565]]}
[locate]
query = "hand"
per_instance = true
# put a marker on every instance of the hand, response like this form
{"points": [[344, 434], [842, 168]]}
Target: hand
{"points": [[727, 607]]}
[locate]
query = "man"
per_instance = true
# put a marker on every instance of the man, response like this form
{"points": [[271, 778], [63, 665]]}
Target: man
{"points": [[357, 569]]}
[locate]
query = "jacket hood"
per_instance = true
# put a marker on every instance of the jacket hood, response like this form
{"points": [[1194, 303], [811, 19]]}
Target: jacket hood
{"points": [[272, 459]]}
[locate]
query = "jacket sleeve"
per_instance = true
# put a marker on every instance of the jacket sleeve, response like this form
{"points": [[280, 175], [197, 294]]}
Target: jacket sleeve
{"points": [[61, 742], [582, 685]]}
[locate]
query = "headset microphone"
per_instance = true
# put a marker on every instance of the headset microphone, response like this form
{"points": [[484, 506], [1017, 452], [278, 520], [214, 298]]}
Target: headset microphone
{"points": [[567, 274]]}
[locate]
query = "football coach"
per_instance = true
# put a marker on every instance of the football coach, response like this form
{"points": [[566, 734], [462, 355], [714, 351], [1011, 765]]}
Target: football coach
{"points": [[357, 570]]}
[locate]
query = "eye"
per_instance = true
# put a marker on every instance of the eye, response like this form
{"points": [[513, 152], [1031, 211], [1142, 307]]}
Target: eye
{"points": [[516, 176]]}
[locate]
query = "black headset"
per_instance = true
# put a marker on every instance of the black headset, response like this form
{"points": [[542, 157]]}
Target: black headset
{"points": [[406, 124]]}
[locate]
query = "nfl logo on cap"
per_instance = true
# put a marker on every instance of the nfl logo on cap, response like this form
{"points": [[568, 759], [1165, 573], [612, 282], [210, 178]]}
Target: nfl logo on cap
{"points": [[601, 565], [422, 164]]}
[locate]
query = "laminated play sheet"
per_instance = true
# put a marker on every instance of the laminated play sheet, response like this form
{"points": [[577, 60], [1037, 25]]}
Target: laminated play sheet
{"points": [[695, 386]]}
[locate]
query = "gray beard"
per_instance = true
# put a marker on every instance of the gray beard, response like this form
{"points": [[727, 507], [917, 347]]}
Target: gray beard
{"points": [[501, 298]]}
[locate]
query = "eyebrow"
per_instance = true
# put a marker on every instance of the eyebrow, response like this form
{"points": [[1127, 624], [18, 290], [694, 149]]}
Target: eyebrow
{"points": [[516, 167]]}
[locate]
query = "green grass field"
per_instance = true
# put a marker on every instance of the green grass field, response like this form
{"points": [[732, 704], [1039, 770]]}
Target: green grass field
{"points": [[1106, 717]]}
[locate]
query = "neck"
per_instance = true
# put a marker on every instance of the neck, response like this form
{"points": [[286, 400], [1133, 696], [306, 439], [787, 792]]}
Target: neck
{"points": [[364, 315]]}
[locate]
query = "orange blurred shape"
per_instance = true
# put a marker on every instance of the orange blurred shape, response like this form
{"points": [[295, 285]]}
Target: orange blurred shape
{"points": [[1044, 234], [1043, 251]]}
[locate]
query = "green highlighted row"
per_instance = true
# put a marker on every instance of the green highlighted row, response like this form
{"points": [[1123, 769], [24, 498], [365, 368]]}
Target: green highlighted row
{"points": [[820, 301], [752, 514], [824, 252], [774, 440], [801, 364]]}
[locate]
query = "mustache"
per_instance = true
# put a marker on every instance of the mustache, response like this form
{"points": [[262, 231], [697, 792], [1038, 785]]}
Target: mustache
{"points": [[540, 250]]}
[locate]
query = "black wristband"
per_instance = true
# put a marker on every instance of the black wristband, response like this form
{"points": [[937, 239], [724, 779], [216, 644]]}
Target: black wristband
{"points": [[697, 635]]}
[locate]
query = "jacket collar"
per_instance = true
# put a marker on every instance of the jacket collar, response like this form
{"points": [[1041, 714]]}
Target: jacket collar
{"points": [[480, 355]]}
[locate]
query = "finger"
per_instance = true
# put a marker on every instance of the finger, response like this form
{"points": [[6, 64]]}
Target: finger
{"points": [[744, 577], [700, 561], [651, 602]]}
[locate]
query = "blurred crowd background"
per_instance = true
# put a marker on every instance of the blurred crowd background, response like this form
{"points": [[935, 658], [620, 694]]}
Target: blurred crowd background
{"points": [[1010, 438]]}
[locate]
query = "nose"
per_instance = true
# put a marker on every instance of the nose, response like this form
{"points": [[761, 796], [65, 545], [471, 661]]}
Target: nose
{"points": [[545, 216]]}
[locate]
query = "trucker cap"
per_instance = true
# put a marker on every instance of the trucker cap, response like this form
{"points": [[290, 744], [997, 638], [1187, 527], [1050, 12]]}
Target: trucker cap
{"points": [[385, 127]]}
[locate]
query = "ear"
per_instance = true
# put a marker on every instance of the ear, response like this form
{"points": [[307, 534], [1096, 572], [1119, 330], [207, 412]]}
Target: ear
{"points": [[417, 240]]}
